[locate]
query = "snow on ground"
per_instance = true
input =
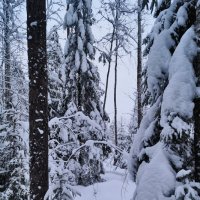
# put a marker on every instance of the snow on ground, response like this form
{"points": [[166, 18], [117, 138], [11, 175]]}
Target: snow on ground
{"points": [[117, 186]]}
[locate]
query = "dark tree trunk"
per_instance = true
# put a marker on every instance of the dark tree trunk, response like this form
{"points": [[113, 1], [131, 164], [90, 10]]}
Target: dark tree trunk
{"points": [[7, 75], [115, 102], [139, 65], [38, 106], [197, 103], [116, 65], [197, 139], [115, 95], [109, 66], [68, 29], [115, 81], [79, 91]]}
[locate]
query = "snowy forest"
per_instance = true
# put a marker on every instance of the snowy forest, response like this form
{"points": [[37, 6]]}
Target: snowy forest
{"points": [[70, 129]]}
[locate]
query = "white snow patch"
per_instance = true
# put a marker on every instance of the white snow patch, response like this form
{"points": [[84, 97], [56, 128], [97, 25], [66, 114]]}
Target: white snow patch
{"points": [[182, 16], [34, 23], [183, 173], [116, 187], [40, 131], [156, 179]]}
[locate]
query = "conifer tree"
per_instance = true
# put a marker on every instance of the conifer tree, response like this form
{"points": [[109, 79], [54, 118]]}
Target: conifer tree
{"points": [[81, 114], [168, 128], [54, 62], [13, 106], [84, 81]]}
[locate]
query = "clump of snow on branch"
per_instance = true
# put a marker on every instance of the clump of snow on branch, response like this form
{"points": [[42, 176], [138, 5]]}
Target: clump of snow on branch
{"points": [[181, 90]]}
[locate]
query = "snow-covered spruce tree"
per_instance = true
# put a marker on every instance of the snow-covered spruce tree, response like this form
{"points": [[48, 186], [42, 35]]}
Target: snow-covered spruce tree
{"points": [[14, 138], [17, 131], [162, 159], [54, 61], [81, 118], [156, 74], [61, 138], [13, 112], [84, 80]]}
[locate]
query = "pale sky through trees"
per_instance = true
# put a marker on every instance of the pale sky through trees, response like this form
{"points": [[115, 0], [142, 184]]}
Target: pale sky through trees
{"points": [[126, 86]]}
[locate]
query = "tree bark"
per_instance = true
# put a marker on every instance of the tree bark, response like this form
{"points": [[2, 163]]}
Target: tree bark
{"points": [[115, 81], [115, 94], [38, 105], [79, 91], [68, 29], [116, 65], [109, 66], [115, 101], [197, 103], [139, 65]]}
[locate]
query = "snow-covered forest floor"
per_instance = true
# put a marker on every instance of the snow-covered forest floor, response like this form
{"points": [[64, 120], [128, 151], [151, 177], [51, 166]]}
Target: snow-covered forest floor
{"points": [[117, 185]]}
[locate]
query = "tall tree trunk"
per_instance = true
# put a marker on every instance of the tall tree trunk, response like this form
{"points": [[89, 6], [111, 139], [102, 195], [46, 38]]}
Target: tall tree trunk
{"points": [[115, 81], [115, 96], [197, 103], [7, 76], [109, 66], [38, 106], [139, 65], [115, 101]]}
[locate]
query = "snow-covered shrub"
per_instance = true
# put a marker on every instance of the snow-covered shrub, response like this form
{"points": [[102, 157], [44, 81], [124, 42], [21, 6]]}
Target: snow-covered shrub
{"points": [[68, 133]]}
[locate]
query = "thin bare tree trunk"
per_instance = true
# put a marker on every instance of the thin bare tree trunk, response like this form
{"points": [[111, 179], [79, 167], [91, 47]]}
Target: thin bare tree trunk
{"points": [[109, 66], [115, 101], [68, 29], [116, 65], [115, 93], [115, 81], [38, 104], [79, 91], [139, 65], [197, 103]]}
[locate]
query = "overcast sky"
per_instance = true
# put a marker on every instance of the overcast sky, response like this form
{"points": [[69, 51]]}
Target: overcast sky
{"points": [[127, 69], [126, 78]]}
